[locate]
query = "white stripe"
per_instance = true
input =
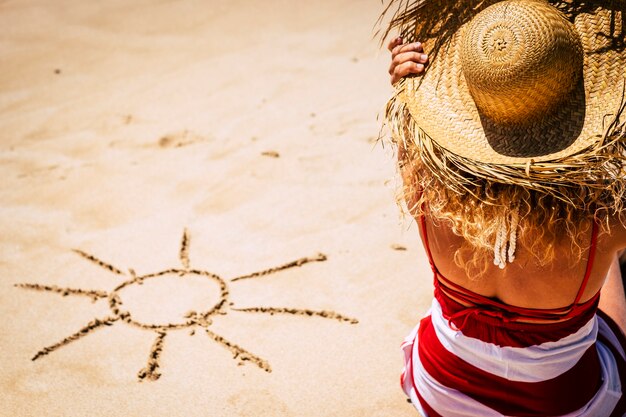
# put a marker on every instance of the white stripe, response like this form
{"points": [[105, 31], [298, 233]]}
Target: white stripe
{"points": [[452, 403], [445, 401], [527, 364], [611, 337]]}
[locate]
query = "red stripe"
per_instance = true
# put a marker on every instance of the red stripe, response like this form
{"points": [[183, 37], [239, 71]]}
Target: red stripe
{"points": [[557, 396], [590, 259], [497, 330], [426, 321]]}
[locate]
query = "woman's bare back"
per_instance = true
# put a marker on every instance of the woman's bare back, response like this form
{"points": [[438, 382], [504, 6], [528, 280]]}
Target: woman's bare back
{"points": [[524, 283]]}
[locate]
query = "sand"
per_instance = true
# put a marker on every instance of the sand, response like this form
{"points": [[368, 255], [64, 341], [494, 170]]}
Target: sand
{"points": [[196, 217]]}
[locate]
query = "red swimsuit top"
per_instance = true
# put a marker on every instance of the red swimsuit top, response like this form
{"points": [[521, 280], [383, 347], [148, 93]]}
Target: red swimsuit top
{"points": [[489, 319]]}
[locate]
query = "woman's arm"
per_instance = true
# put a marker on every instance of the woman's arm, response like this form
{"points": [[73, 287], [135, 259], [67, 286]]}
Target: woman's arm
{"points": [[406, 60]]}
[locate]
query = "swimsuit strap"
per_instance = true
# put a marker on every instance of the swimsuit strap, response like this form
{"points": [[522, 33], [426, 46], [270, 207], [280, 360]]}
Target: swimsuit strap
{"points": [[590, 259], [427, 246]]}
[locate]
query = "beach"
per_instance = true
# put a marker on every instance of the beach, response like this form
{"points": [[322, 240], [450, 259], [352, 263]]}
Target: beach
{"points": [[198, 216]]}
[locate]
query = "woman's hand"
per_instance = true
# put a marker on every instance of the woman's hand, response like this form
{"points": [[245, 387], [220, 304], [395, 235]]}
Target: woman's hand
{"points": [[406, 59]]}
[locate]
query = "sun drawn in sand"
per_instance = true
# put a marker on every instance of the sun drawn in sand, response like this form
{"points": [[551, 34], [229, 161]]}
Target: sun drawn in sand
{"points": [[191, 320]]}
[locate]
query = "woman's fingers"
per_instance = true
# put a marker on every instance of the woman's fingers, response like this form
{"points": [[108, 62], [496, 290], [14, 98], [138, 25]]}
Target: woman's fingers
{"points": [[409, 47], [400, 59], [404, 69], [393, 43], [406, 59]]}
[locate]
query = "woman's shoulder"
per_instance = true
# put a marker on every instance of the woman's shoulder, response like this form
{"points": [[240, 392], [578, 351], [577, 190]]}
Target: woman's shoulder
{"points": [[612, 236]]}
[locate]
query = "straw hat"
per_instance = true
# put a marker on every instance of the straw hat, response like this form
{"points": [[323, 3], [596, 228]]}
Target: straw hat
{"points": [[526, 92]]}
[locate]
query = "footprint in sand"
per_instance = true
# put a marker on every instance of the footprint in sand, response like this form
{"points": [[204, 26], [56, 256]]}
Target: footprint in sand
{"points": [[179, 139]]}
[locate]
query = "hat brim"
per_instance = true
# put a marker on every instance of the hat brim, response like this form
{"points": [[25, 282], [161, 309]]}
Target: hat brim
{"points": [[441, 105]]}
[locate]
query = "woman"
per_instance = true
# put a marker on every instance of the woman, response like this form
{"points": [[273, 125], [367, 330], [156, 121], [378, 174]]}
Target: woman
{"points": [[512, 144]]}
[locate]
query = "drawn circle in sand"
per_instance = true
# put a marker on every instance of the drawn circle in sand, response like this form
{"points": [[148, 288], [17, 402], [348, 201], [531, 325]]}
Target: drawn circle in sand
{"points": [[158, 301]]}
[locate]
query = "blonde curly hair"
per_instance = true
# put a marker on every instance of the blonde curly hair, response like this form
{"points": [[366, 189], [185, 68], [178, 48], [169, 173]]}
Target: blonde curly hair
{"points": [[549, 203], [477, 215]]}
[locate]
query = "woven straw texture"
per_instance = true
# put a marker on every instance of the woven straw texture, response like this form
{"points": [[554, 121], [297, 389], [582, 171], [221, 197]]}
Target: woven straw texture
{"points": [[446, 111], [553, 125]]}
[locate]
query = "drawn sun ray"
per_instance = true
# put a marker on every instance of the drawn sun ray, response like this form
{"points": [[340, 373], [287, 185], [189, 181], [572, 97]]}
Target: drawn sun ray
{"points": [[190, 320], [64, 291], [151, 371], [98, 262], [88, 328], [297, 311], [298, 262], [184, 250], [239, 352]]}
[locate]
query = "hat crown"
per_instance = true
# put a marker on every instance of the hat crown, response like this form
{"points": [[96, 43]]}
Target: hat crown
{"points": [[520, 59]]}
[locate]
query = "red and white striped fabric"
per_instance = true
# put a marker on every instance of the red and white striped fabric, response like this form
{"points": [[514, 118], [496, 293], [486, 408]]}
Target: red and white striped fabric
{"points": [[475, 356], [452, 375]]}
